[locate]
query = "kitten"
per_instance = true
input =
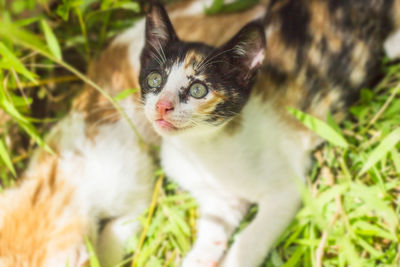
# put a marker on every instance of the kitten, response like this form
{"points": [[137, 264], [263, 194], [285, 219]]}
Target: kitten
{"points": [[99, 173], [227, 136]]}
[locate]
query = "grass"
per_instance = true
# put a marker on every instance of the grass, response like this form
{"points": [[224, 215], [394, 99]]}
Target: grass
{"points": [[351, 199]]}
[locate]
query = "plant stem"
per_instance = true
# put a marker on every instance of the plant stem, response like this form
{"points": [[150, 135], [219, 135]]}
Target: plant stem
{"points": [[148, 221]]}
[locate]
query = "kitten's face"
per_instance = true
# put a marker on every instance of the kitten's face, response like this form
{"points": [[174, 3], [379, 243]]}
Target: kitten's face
{"points": [[191, 86]]}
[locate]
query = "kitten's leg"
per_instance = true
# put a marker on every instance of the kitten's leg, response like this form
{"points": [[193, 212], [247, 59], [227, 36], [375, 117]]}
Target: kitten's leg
{"points": [[275, 211], [113, 238], [219, 217]]}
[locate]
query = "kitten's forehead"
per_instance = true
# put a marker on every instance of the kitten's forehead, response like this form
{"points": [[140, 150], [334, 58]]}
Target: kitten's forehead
{"points": [[193, 58], [178, 77], [187, 63], [184, 70], [188, 55]]}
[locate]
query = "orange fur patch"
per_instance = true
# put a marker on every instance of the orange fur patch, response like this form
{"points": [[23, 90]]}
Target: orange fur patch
{"points": [[39, 220], [396, 13], [112, 72], [210, 105], [278, 53], [214, 30], [321, 26], [192, 58]]}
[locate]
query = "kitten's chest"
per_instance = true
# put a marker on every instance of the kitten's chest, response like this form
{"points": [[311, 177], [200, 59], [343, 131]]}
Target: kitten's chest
{"points": [[260, 154], [206, 166]]}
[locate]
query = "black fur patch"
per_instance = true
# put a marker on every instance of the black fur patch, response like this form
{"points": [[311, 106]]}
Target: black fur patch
{"points": [[294, 17]]}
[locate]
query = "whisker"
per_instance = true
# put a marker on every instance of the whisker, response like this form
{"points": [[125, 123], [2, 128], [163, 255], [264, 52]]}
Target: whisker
{"points": [[206, 60], [142, 102], [155, 57], [140, 107], [162, 51], [194, 122], [105, 107], [209, 63], [111, 116], [157, 54], [101, 109]]}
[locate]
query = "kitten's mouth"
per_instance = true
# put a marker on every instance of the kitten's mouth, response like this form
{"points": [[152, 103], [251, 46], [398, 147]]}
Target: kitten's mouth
{"points": [[165, 125]]}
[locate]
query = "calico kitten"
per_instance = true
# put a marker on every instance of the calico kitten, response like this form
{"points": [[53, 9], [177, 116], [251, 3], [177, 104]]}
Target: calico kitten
{"points": [[98, 173], [227, 136]]}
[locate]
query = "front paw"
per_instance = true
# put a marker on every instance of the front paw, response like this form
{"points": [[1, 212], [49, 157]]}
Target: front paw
{"points": [[205, 257], [198, 262]]}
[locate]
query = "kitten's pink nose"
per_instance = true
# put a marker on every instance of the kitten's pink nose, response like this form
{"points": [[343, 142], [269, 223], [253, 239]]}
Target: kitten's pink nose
{"points": [[164, 106]]}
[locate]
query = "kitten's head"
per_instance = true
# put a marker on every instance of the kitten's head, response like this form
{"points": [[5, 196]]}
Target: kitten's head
{"points": [[191, 85]]}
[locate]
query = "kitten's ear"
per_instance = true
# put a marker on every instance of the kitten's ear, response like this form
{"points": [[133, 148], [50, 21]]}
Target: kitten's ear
{"points": [[159, 30], [245, 52]]}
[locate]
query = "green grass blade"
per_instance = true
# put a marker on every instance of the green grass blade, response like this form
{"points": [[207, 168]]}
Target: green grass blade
{"points": [[331, 122], [51, 39], [295, 259], [30, 41], [215, 7], [6, 158], [22, 121], [124, 94], [237, 5], [350, 253], [319, 127], [396, 160], [10, 61], [18, 35], [94, 262], [373, 201], [369, 248], [388, 143], [33, 133], [132, 6], [368, 229]]}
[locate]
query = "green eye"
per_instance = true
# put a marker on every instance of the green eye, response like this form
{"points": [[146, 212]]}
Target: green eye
{"points": [[154, 80], [198, 90]]}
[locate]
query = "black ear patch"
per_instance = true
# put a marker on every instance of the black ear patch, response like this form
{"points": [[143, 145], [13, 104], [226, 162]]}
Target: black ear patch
{"points": [[244, 53], [159, 30]]}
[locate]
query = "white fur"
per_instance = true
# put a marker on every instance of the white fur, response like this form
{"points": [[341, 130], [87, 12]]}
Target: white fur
{"points": [[195, 8], [113, 176], [258, 59], [75, 256], [177, 77], [112, 164], [134, 37], [113, 238], [392, 45], [226, 173]]}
